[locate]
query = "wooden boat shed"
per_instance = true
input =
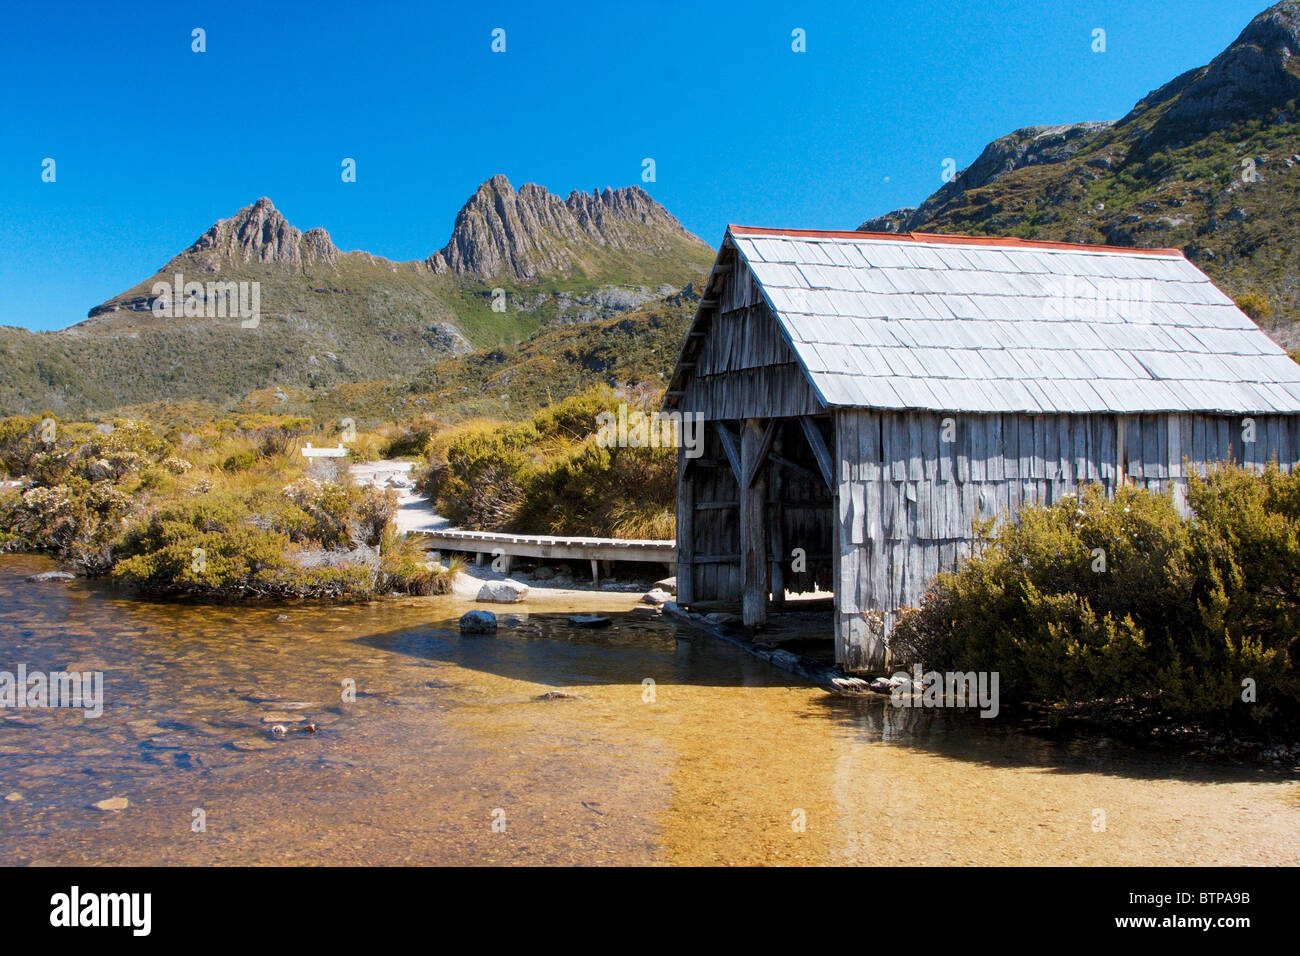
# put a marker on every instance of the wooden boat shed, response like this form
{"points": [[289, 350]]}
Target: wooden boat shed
{"points": [[868, 396]]}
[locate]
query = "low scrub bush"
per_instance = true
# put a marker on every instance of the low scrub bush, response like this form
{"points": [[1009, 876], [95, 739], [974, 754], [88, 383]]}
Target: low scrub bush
{"points": [[1108, 598], [550, 475]]}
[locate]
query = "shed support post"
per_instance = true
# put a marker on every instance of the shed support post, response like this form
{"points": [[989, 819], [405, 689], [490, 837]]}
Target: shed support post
{"points": [[685, 569], [755, 570], [820, 452], [777, 563]]}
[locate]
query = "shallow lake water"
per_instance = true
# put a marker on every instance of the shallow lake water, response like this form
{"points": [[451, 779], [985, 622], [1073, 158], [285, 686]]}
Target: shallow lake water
{"points": [[447, 756]]}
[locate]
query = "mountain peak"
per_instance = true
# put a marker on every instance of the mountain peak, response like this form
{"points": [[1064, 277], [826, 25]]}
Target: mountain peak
{"points": [[1258, 70], [504, 233], [259, 233], [1256, 76], [1208, 163]]}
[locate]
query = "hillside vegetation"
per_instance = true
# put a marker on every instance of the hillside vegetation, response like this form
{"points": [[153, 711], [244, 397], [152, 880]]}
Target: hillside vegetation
{"points": [[551, 475], [511, 382]]}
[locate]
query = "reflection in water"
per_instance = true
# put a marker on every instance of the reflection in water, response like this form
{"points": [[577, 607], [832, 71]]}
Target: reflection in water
{"points": [[718, 761]]}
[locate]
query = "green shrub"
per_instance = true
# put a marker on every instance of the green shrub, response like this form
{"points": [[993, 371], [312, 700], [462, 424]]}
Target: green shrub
{"points": [[411, 444], [551, 476], [79, 522], [1184, 611], [1254, 305], [239, 461], [478, 474], [403, 568]]}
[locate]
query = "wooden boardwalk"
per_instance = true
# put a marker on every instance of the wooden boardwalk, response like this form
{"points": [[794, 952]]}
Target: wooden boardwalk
{"points": [[552, 547], [416, 518]]}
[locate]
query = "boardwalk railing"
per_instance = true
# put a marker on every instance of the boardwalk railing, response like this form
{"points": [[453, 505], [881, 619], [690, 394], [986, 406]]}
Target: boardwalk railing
{"points": [[553, 547]]}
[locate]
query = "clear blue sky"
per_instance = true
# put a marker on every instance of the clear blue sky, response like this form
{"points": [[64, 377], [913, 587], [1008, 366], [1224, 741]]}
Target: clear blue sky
{"points": [[154, 143]]}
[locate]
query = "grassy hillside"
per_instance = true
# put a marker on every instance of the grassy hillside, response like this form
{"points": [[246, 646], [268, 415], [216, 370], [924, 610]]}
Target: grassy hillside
{"points": [[635, 350]]}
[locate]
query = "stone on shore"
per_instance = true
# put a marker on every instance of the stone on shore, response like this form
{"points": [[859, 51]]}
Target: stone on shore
{"points": [[478, 622], [656, 596], [502, 592]]}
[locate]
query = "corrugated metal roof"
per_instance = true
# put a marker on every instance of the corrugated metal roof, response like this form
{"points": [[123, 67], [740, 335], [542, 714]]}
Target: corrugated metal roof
{"points": [[950, 323]]}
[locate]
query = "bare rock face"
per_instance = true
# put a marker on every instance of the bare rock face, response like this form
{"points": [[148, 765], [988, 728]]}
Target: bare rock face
{"points": [[259, 233], [318, 247], [1261, 68], [501, 233]]}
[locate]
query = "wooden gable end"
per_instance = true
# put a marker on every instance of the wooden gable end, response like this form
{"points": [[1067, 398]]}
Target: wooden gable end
{"points": [[742, 365]]}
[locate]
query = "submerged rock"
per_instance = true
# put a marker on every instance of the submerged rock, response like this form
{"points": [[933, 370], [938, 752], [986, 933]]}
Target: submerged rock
{"points": [[478, 622], [112, 804], [556, 695], [589, 620], [50, 576]]}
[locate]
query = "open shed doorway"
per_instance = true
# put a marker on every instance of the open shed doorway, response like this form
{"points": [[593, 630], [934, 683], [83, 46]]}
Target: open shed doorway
{"points": [[756, 520]]}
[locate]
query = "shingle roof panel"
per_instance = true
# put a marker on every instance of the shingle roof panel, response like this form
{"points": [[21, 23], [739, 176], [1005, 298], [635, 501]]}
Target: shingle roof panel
{"points": [[969, 326]]}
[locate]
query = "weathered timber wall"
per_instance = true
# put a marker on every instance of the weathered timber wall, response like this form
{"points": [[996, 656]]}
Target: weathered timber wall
{"points": [[744, 367], [907, 500]]}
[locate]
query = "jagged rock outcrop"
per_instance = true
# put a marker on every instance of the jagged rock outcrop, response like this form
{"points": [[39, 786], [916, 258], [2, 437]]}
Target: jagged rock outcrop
{"points": [[259, 233], [1259, 69], [501, 233], [276, 306]]}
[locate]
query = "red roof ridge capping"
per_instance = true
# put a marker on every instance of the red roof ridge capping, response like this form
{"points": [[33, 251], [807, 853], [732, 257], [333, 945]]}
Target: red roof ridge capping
{"points": [[951, 238]]}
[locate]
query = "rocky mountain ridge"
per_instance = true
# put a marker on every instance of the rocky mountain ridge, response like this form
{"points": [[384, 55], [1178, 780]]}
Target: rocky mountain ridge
{"points": [[500, 232], [516, 262]]}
